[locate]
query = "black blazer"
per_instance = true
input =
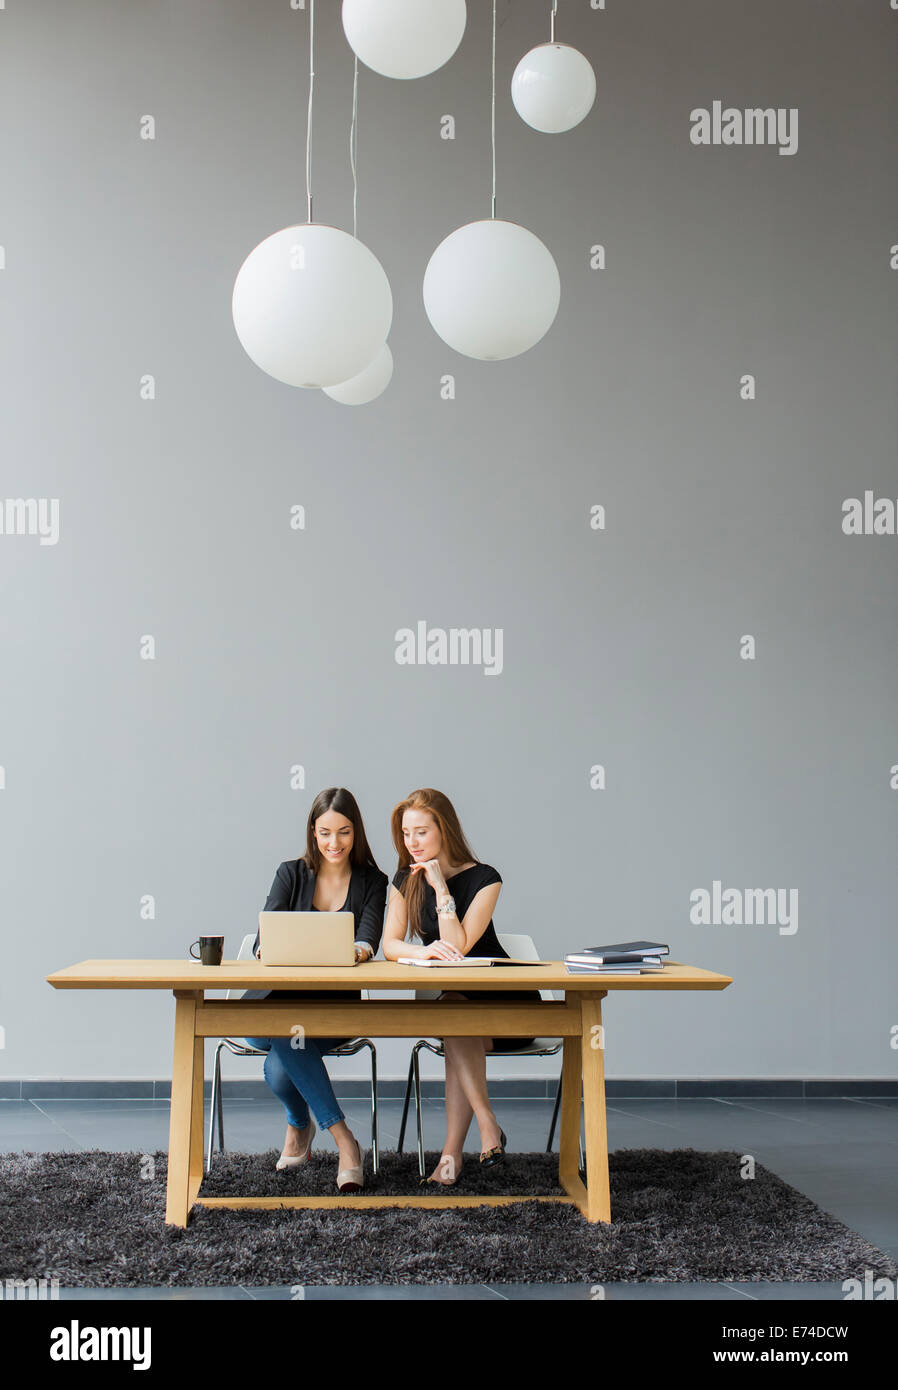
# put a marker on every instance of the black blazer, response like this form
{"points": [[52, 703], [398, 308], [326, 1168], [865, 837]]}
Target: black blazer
{"points": [[294, 887]]}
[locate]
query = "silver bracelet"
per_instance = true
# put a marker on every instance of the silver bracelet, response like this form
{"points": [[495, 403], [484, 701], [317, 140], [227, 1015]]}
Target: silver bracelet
{"points": [[447, 909]]}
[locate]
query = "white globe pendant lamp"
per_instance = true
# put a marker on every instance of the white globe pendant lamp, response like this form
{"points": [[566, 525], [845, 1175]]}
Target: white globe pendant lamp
{"points": [[491, 288], [311, 304], [404, 38], [368, 385], [553, 88]]}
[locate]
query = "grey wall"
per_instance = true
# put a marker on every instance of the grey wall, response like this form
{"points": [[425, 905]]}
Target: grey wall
{"points": [[623, 646]]}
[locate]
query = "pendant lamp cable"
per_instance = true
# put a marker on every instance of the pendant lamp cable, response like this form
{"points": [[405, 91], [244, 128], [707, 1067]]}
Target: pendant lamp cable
{"points": [[354, 142], [494, 109], [309, 120], [552, 21]]}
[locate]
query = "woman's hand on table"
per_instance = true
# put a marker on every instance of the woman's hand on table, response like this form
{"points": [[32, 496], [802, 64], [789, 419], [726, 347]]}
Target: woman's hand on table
{"points": [[441, 950]]}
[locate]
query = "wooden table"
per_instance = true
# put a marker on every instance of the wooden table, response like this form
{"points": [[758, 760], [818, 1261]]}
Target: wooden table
{"points": [[577, 1019]]}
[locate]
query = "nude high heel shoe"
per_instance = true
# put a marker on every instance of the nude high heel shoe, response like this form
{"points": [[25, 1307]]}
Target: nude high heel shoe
{"points": [[496, 1155], [297, 1160], [352, 1179]]}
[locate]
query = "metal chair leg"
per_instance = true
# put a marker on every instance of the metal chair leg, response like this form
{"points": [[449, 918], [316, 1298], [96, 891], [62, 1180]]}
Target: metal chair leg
{"points": [[408, 1092], [555, 1121], [554, 1116], [415, 1051], [215, 1112], [369, 1044], [220, 1115]]}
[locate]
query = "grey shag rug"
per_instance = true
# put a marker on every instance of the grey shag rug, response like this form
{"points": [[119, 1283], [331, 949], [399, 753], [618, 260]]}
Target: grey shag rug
{"points": [[96, 1220]]}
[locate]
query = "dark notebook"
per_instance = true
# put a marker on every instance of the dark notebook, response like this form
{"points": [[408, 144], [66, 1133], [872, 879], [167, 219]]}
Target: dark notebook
{"points": [[624, 951]]}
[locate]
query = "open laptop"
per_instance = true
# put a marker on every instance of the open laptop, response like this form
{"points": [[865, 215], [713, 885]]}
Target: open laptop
{"points": [[307, 938]]}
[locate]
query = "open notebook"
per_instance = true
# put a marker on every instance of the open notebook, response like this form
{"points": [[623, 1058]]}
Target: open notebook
{"points": [[467, 960]]}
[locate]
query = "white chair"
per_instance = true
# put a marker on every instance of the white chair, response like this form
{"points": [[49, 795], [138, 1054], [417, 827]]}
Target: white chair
{"points": [[238, 1049], [520, 948]]}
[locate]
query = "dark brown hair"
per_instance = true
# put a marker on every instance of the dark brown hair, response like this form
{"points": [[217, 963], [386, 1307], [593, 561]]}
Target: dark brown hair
{"points": [[344, 803], [438, 805]]}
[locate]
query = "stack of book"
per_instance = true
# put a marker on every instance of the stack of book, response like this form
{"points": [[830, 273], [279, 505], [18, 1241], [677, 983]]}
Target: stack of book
{"points": [[624, 958]]}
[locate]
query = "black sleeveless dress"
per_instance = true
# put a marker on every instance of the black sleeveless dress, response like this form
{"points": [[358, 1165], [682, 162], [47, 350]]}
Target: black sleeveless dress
{"points": [[464, 886]]}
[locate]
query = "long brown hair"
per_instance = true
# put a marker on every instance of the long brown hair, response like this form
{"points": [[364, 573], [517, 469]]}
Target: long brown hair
{"points": [[344, 803], [454, 845]]}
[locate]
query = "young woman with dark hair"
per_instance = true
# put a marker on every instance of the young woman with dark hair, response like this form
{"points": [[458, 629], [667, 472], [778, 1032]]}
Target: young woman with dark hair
{"points": [[337, 873]]}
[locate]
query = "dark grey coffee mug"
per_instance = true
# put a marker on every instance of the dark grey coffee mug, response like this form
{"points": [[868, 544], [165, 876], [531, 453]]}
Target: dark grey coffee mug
{"points": [[211, 949]]}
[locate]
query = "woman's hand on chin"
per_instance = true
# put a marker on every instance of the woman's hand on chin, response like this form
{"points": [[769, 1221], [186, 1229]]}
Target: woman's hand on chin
{"points": [[433, 873]]}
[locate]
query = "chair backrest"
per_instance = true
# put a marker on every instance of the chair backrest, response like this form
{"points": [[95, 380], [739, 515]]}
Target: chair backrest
{"points": [[245, 953], [522, 947]]}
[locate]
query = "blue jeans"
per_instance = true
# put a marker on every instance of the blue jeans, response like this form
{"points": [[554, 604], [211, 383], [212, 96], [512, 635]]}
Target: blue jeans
{"points": [[299, 1079]]}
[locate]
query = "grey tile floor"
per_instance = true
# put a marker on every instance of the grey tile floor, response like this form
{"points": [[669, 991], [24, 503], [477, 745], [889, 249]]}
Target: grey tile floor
{"points": [[841, 1153]]}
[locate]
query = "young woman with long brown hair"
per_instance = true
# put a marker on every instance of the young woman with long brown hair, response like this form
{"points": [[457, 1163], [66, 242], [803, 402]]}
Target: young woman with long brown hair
{"points": [[337, 873], [445, 897]]}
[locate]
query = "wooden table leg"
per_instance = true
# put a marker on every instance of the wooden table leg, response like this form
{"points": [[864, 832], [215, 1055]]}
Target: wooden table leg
{"points": [[569, 1126], [598, 1206], [185, 1131], [196, 1122]]}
